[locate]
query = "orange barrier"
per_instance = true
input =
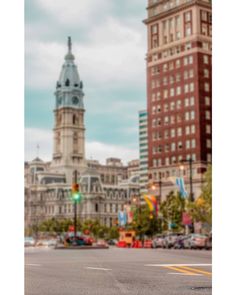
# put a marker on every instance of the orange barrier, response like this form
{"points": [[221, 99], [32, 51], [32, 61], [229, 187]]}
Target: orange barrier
{"points": [[121, 244], [148, 244], [137, 244]]}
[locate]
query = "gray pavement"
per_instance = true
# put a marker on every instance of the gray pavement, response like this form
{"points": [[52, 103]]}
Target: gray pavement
{"points": [[117, 271]]}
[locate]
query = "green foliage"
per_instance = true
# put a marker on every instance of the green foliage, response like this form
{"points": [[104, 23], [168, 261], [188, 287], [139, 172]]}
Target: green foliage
{"points": [[144, 223], [201, 209], [171, 210]]}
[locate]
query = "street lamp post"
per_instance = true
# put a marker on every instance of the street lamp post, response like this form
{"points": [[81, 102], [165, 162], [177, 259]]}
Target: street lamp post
{"points": [[75, 208], [191, 198]]}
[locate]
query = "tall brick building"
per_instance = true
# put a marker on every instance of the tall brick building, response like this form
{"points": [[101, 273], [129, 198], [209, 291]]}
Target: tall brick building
{"points": [[179, 91]]}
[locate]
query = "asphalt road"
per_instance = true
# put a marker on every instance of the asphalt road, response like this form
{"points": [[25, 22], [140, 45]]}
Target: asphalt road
{"points": [[117, 271]]}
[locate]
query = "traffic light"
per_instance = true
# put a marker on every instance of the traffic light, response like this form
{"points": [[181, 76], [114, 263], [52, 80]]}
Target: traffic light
{"points": [[76, 196]]}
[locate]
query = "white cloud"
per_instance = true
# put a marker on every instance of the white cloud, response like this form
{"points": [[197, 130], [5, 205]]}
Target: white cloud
{"points": [[97, 150], [100, 151], [75, 12], [113, 58], [41, 137]]}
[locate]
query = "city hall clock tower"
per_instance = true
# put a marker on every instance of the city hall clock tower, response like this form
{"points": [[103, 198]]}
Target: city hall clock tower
{"points": [[69, 130]]}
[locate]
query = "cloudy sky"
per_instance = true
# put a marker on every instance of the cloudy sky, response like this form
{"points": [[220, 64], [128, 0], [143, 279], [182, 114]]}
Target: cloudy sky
{"points": [[109, 44]]}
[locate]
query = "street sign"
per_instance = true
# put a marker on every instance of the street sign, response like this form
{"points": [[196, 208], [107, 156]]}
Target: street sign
{"points": [[186, 219], [71, 228]]}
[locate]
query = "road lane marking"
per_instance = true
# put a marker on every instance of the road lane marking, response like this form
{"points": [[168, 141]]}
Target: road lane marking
{"points": [[178, 264], [32, 264], [183, 274], [98, 268], [197, 270], [181, 270]]}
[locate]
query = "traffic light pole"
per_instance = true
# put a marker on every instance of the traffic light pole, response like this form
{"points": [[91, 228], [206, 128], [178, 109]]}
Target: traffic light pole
{"points": [[75, 208]]}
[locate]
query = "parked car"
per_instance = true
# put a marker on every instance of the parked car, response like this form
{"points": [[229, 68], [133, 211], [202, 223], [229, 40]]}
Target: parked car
{"points": [[157, 242], [209, 242], [195, 241], [169, 240], [29, 242], [179, 243], [112, 242]]}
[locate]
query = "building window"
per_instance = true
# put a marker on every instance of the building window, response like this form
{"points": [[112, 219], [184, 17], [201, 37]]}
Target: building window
{"points": [[187, 116], [177, 63], [192, 100], [188, 30], [173, 160], [172, 106], [178, 104], [191, 87], [187, 130], [186, 102], [173, 147], [172, 119], [172, 132], [193, 143], [166, 134], [206, 73], [187, 16], [172, 92], [207, 101], [191, 73], [206, 87], [208, 129], [171, 65], [165, 67], [204, 15], [179, 131], [178, 90], [165, 93], [193, 129], [187, 144], [204, 29], [208, 115], [180, 145], [190, 59], [205, 59], [185, 75], [167, 148], [186, 88], [208, 157], [192, 115], [208, 143]]}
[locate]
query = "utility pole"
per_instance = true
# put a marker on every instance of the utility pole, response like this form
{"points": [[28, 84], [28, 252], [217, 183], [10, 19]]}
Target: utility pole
{"points": [[75, 207]]}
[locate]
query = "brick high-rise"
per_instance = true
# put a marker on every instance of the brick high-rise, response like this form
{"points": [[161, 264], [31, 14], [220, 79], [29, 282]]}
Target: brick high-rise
{"points": [[179, 91]]}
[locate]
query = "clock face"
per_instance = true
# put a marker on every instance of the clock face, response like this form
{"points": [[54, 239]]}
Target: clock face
{"points": [[75, 100]]}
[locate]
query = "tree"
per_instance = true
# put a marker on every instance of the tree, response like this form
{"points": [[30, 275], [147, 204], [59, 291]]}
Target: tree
{"points": [[201, 208], [171, 210], [145, 223]]}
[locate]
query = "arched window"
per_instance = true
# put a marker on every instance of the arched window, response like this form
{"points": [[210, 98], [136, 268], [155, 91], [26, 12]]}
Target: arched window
{"points": [[96, 207], [67, 83], [74, 119]]}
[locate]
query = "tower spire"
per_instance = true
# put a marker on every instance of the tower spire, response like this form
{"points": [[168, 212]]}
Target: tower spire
{"points": [[69, 56], [69, 44]]}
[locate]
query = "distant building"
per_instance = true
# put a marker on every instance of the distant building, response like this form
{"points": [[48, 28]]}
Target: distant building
{"points": [[179, 91], [105, 188], [133, 168], [143, 151]]}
